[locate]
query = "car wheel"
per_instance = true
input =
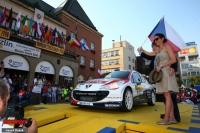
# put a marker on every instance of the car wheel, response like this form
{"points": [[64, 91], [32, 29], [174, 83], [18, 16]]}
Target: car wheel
{"points": [[152, 101], [127, 102]]}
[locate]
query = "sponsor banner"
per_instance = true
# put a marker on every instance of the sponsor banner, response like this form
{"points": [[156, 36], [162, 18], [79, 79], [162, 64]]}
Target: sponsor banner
{"points": [[16, 62], [189, 50], [45, 67], [38, 16], [190, 43], [15, 47], [4, 33], [49, 47], [66, 71]]}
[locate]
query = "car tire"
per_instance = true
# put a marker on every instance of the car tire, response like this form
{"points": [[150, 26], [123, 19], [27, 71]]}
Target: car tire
{"points": [[152, 101], [127, 103]]}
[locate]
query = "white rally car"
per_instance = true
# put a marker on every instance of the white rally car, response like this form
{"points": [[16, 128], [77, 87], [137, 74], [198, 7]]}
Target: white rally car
{"points": [[119, 89]]}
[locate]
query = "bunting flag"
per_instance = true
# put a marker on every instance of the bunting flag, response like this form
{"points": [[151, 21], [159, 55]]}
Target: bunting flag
{"points": [[63, 37], [18, 18], [25, 28], [30, 26], [84, 45], [60, 39], [69, 40], [54, 34], [35, 27], [38, 30], [50, 34], [9, 19], [24, 20], [3, 16], [46, 29], [99, 72], [42, 29]]}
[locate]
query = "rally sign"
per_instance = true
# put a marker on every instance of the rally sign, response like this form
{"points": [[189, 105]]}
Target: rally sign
{"points": [[15, 47]]}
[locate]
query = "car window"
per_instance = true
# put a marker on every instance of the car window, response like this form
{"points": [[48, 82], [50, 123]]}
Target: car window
{"points": [[135, 78], [118, 74]]}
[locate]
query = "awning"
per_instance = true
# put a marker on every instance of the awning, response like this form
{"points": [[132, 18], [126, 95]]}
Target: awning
{"points": [[66, 71], [16, 62], [45, 67]]}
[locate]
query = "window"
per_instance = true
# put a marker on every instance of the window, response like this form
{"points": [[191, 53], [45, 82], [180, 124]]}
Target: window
{"points": [[135, 78], [133, 60], [198, 73], [92, 46], [193, 58], [82, 60], [129, 66], [193, 73], [133, 68], [112, 53], [91, 63], [182, 58], [116, 52], [129, 58]]}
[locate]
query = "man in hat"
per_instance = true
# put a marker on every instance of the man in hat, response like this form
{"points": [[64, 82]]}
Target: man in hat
{"points": [[173, 68]]}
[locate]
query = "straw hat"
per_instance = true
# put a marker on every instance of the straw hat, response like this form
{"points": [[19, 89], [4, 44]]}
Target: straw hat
{"points": [[155, 77]]}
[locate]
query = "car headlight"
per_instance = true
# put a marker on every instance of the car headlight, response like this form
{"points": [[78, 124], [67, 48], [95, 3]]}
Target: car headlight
{"points": [[112, 86]]}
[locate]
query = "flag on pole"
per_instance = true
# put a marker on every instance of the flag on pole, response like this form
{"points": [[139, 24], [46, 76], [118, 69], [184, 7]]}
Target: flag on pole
{"points": [[173, 38], [3, 16], [30, 26], [18, 18], [9, 19], [99, 72], [84, 45]]}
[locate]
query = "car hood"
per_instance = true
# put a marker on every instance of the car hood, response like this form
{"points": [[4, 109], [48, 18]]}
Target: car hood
{"points": [[94, 85]]}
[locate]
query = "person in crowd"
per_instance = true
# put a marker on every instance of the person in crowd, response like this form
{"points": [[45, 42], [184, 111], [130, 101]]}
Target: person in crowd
{"points": [[20, 81], [4, 97], [22, 94], [54, 89], [49, 95], [164, 59], [172, 69], [44, 94], [8, 81], [2, 69], [15, 85], [59, 93], [193, 94], [36, 94], [29, 93]]}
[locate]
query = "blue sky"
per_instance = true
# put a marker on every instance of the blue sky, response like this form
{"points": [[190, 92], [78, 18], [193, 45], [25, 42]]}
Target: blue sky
{"points": [[135, 19]]}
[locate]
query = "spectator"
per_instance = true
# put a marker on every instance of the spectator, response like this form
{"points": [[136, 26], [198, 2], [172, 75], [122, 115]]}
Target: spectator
{"points": [[193, 94], [2, 69], [36, 94], [44, 94], [22, 94], [9, 82]]}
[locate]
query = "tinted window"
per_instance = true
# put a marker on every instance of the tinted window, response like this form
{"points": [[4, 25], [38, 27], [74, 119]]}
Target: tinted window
{"points": [[118, 74]]}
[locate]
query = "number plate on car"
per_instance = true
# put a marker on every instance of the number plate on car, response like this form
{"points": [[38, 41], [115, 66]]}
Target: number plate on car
{"points": [[85, 103]]}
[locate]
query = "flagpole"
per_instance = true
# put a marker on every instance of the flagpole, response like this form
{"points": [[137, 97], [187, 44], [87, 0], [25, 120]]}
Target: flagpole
{"points": [[76, 36]]}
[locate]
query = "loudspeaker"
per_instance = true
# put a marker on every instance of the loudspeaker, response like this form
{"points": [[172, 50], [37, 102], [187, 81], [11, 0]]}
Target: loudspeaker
{"points": [[58, 61]]}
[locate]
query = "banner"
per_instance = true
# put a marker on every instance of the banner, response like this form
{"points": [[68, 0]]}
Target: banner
{"points": [[4, 33], [49, 47], [15, 47], [188, 51], [66, 71], [38, 16]]}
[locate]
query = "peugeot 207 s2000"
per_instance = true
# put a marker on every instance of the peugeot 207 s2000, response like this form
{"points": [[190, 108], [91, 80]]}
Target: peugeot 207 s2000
{"points": [[119, 89]]}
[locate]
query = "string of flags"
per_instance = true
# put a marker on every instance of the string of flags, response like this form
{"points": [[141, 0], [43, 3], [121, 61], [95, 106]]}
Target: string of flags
{"points": [[49, 34]]}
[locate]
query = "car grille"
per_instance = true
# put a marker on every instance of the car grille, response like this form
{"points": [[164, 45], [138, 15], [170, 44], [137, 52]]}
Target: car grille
{"points": [[90, 96]]}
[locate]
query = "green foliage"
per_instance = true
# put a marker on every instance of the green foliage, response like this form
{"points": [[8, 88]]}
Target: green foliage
{"points": [[179, 82], [195, 80]]}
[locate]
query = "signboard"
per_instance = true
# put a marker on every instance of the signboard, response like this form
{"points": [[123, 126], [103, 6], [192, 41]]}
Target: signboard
{"points": [[45, 67], [16, 62], [188, 50], [15, 47], [49, 47], [66, 71], [4, 33], [190, 43], [38, 16]]}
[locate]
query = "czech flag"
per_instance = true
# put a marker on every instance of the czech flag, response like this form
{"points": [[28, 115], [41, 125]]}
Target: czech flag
{"points": [[173, 38]]}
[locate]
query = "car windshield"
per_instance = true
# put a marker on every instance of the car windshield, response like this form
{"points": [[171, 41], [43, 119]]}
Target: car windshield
{"points": [[118, 74]]}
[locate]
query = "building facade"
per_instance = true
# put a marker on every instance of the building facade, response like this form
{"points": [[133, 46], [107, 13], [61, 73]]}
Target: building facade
{"points": [[27, 54], [189, 63], [120, 56]]}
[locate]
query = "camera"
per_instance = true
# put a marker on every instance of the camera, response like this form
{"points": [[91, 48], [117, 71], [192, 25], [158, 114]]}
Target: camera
{"points": [[18, 114]]}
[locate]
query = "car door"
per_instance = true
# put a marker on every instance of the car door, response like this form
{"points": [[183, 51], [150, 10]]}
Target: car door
{"points": [[135, 79]]}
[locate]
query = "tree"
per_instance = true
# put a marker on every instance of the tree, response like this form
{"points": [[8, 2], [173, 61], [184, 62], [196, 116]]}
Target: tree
{"points": [[179, 82], [195, 80]]}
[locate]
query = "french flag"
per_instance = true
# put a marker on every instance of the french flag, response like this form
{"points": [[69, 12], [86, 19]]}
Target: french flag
{"points": [[173, 38], [99, 72]]}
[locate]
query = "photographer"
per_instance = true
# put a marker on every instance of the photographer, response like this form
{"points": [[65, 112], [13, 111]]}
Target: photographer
{"points": [[2, 69], [4, 97]]}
